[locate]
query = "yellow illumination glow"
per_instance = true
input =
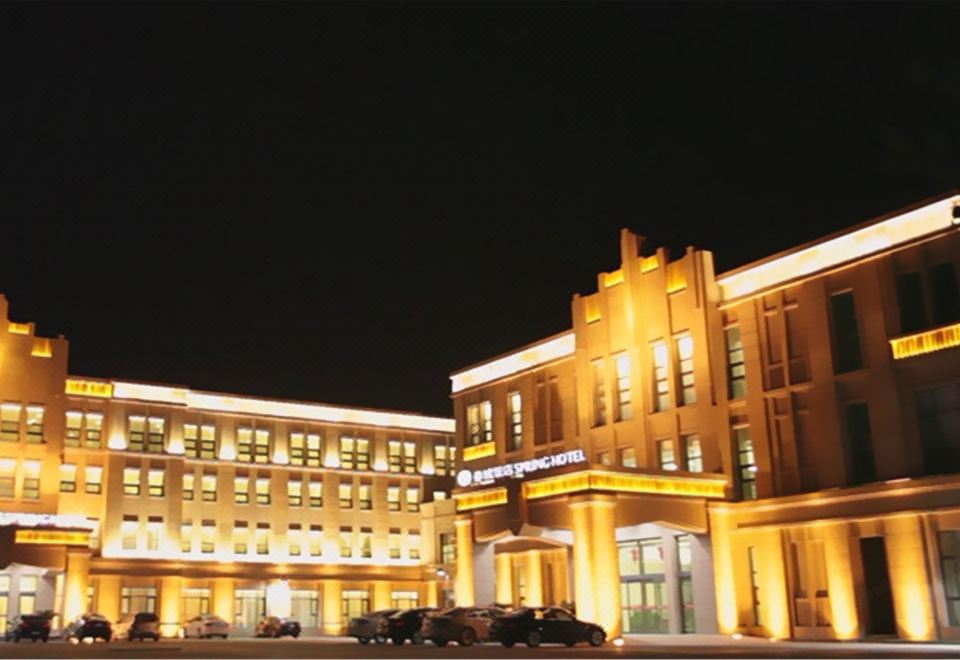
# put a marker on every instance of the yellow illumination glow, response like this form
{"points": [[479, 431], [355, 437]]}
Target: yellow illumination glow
{"points": [[227, 452], [842, 249], [18, 328], [620, 482], [479, 499], [676, 279], [51, 537], [117, 441], [591, 309], [649, 263], [93, 388], [473, 452], [926, 342], [533, 356], [278, 599], [613, 279], [280, 456], [42, 347]]}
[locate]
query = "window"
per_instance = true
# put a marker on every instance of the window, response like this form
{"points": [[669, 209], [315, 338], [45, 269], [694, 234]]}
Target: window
{"points": [[946, 296], [393, 498], [736, 369], [661, 379], [514, 406], [346, 541], [448, 548], [604, 458], [155, 486], [364, 497], [754, 584], [31, 480], [244, 444], [186, 536], [938, 414], [68, 478], [188, 486], [262, 538], [354, 602], [305, 449], [346, 495], [208, 532], [949, 544], [693, 452], [94, 430], [294, 492], [363, 454], [624, 396], [643, 588], [128, 532], [413, 500], [393, 544], [409, 457], [10, 422], [443, 459], [200, 441], [599, 394], [293, 540], [209, 485], [35, 424], [73, 428], [136, 433], [688, 393], [316, 540], [846, 336], [8, 477], [154, 526], [628, 457], [365, 541], [913, 311], [685, 573], [316, 494], [138, 599], [480, 423], [668, 457], [746, 462], [93, 479], [263, 491], [241, 490], [413, 544], [394, 455], [28, 594], [155, 435], [347, 452], [241, 537], [131, 481], [863, 469], [261, 446], [404, 600]]}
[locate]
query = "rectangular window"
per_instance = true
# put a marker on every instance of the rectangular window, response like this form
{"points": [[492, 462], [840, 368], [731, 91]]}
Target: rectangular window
{"points": [[200, 441], [413, 544], [624, 395], [754, 584], [409, 457], [604, 458], [68, 478], [316, 540], [393, 543], [515, 408], [31, 480], [35, 424], [365, 497], [346, 541], [688, 393], [186, 536], [241, 490], [365, 541], [442, 460], [685, 573], [938, 414], [363, 454], [208, 533], [746, 462], [346, 495], [93, 430], [693, 452], [128, 532], [661, 377], [241, 537], [294, 492], [394, 455], [93, 479], [188, 486], [736, 369], [294, 540], [393, 498], [262, 538], [628, 457], [316, 494], [73, 427], [846, 336], [10, 422], [28, 594], [668, 457], [305, 449], [949, 545], [448, 548], [244, 444], [263, 491], [599, 394], [863, 468], [346, 452], [209, 485], [155, 435], [131, 481], [261, 446], [413, 500], [913, 309], [154, 526], [155, 482], [136, 433], [8, 477], [946, 295]]}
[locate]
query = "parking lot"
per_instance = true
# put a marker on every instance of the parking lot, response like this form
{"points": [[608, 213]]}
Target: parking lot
{"points": [[660, 646]]}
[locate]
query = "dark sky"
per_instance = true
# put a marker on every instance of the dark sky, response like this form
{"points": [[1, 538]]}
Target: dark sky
{"points": [[345, 203]]}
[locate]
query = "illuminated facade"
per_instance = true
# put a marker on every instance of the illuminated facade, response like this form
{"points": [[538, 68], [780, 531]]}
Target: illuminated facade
{"points": [[773, 451], [122, 497]]}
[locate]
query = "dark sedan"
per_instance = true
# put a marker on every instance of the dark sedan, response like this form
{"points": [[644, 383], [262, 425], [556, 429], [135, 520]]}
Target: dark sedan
{"points": [[544, 625], [277, 627], [30, 626], [463, 625], [370, 626], [406, 624], [90, 626]]}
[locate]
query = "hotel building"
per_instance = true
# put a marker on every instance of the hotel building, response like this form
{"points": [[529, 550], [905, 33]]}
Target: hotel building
{"points": [[773, 451]]}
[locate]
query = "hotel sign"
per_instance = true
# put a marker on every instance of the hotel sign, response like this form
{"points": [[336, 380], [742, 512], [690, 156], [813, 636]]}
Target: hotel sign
{"points": [[45, 520], [51, 537], [519, 469]]}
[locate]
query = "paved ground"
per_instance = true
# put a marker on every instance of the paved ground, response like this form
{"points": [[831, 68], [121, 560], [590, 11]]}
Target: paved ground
{"points": [[660, 646]]}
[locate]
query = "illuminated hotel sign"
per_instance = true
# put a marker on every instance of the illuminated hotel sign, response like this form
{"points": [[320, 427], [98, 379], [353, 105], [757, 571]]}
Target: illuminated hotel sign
{"points": [[519, 469], [51, 537], [45, 520]]}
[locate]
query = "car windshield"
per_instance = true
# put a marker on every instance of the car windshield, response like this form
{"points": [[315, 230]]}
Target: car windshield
{"points": [[523, 611]]}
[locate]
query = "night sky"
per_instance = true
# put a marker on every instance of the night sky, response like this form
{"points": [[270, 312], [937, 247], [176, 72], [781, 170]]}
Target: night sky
{"points": [[344, 203]]}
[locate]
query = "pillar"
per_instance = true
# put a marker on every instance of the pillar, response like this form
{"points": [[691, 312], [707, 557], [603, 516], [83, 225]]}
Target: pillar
{"points": [[382, 597], [171, 592], [332, 607], [504, 586], [463, 584], [596, 570], [534, 575], [75, 584], [223, 596], [724, 583], [774, 596], [107, 596], [909, 578], [430, 589], [839, 569]]}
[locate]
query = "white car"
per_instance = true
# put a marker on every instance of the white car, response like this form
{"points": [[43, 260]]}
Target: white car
{"points": [[206, 626]]}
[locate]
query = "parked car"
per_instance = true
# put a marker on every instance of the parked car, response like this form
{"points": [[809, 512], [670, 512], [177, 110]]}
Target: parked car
{"points": [[141, 626], [206, 626], [463, 625], [370, 626], [89, 626], [536, 625], [28, 626], [273, 626], [406, 624]]}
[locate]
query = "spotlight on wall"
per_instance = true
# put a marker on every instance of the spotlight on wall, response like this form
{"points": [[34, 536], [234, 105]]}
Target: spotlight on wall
{"points": [[737, 636], [618, 642]]}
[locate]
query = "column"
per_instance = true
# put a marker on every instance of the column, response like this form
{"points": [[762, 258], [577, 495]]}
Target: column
{"points": [[75, 584], [382, 596], [909, 578], [430, 589], [332, 607], [843, 598], [596, 571], [534, 574], [463, 584], [504, 587], [107, 596], [171, 591], [725, 585], [223, 598]]}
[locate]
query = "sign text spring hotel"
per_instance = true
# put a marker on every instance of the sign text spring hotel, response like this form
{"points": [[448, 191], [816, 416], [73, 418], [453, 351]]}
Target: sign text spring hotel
{"points": [[773, 451]]}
